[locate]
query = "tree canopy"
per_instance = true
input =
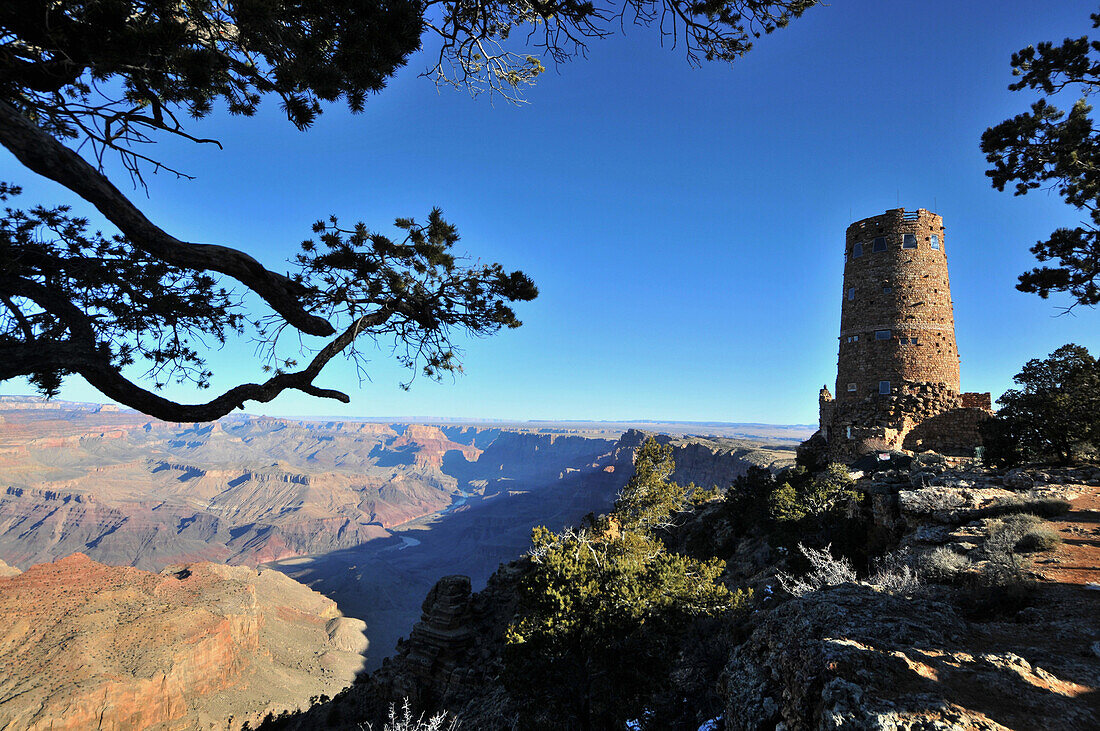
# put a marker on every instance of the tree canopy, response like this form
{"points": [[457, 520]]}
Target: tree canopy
{"points": [[604, 609], [1050, 148], [1053, 416], [83, 80]]}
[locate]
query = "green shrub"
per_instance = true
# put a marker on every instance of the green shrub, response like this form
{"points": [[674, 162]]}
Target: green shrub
{"points": [[799, 506], [747, 498], [699, 496], [601, 613], [801, 495]]}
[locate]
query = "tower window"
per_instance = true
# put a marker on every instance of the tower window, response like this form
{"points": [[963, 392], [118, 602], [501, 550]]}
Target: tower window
{"points": [[909, 241], [851, 293], [884, 387], [880, 244], [935, 241], [882, 334], [851, 387], [857, 250]]}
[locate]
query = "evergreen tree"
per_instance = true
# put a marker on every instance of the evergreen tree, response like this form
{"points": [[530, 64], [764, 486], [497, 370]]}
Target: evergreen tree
{"points": [[1051, 149], [650, 498], [1055, 415], [604, 608], [110, 77], [801, 495]]}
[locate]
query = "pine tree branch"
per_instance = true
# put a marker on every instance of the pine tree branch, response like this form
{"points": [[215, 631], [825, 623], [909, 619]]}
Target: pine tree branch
{"points": [[80, 354], [46, 156]]}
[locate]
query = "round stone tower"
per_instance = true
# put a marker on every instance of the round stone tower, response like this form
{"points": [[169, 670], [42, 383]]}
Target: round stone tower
{"points": [[897, 325]]}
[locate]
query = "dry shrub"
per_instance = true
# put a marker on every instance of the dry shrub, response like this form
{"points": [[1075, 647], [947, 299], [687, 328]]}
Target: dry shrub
{"points": [[1002, 586], [1038, 538], [825, 570], [943, 565], [1048, 507], [896, 572], [404, 720]]}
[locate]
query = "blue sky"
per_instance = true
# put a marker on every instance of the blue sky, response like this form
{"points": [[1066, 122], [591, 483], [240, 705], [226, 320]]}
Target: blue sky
{"points": [[685, 225]]}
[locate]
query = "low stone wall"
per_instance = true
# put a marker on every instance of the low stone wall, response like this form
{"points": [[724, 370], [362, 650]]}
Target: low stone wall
{"points": [[947, 433], [976, 401], [915, 417]]}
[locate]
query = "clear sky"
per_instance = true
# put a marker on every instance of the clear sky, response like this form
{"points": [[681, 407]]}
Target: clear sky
{"points": [[685, 225]]}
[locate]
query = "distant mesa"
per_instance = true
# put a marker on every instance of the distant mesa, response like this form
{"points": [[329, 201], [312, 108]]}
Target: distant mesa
{"points": [[92, 646]]}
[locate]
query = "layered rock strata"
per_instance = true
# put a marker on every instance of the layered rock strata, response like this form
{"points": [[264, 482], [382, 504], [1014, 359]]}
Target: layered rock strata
{"points": [[83, 645]]}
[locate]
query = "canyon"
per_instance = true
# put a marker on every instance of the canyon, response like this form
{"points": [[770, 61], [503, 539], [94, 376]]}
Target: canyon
{"points": [[370, 514], [200, 645]]}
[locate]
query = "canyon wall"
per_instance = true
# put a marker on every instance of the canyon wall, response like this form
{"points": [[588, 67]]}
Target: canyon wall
{"points": [[197, 646], [369, 514]]}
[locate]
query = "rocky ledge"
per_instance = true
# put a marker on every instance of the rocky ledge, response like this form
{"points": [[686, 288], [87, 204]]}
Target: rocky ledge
{"points": [[84, 645], [854, 657]]}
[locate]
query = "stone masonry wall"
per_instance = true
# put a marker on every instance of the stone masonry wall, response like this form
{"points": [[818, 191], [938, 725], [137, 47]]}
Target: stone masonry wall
{"points": [[976, 401], [897, 321], [952, 432], [915, 417], [898, 363]]}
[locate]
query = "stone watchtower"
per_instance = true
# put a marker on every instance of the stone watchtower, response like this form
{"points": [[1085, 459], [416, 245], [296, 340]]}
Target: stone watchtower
{"points": [[897, 324], [897, 384]]}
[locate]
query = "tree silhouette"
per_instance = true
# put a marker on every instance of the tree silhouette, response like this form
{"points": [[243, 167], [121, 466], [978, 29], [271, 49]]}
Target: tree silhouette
{"points": [[112, 77], [1049, 148]]}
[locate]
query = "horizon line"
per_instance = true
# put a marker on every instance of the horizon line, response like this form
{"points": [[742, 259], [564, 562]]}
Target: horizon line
{"points": [[415, 419]]}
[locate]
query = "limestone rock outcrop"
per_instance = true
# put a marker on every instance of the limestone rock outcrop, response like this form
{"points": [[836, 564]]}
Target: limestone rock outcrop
{"points": [[854, 657], [922, 656], [84, 645]]}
